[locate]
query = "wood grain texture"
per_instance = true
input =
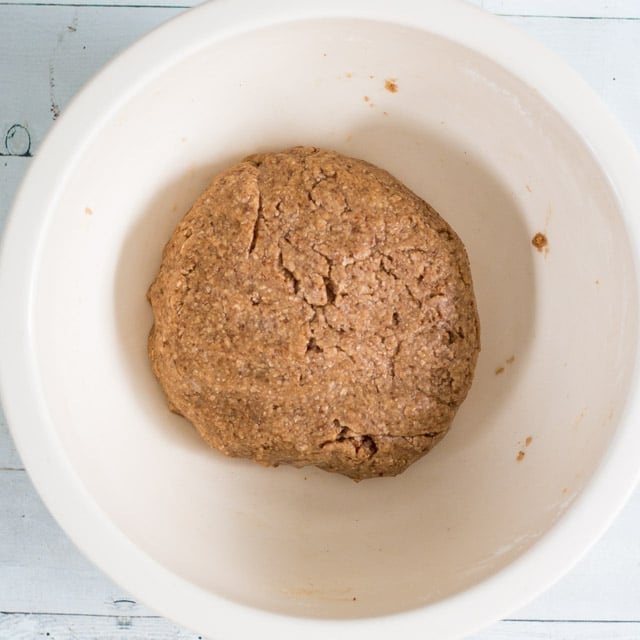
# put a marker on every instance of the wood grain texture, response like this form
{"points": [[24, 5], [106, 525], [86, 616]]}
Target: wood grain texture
{"points": [[47, 589], [127, 627], [624, 9], [52, 54], [120, 627]]}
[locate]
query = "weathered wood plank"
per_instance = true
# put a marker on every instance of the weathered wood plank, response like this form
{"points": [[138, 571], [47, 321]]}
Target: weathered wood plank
{"points": [[622, 9], [125, 627], [564, 8], [59, 627], [48, 53], [106, 4]]}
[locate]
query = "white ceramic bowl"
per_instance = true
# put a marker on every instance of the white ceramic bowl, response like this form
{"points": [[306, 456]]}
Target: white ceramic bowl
{"points": [[491, 129]]}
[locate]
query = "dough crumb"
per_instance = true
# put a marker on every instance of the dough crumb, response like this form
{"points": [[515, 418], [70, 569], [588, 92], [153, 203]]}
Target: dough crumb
{"points": [[391, 85], [539, 241]]}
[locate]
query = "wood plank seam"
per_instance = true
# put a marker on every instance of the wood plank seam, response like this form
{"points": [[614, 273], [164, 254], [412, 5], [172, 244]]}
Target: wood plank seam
{"points": [[80, 615], [115, 616], [568, 17], [82, 5], [189, 6], [570, 621]]}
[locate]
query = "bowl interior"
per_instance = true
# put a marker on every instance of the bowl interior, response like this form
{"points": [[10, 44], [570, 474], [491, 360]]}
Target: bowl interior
{"points": [[557, 323]]}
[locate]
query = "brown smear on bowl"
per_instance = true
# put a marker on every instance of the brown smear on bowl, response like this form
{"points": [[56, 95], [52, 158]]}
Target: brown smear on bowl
{"points": [[501, 369], [539, 241], [521, 454], [391, 85]]}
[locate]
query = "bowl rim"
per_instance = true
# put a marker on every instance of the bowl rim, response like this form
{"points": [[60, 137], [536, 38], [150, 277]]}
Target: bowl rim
{"points": [[33, 432]]}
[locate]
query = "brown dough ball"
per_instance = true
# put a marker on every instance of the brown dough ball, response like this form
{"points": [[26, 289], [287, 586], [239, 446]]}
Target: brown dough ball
{"points": [[310, 309]]}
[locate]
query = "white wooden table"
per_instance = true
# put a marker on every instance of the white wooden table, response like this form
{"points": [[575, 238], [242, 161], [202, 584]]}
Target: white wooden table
{"points": [[48, 49]]}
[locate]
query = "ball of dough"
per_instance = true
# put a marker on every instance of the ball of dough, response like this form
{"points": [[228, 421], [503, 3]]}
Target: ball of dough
{"points": [[311, 310]]}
